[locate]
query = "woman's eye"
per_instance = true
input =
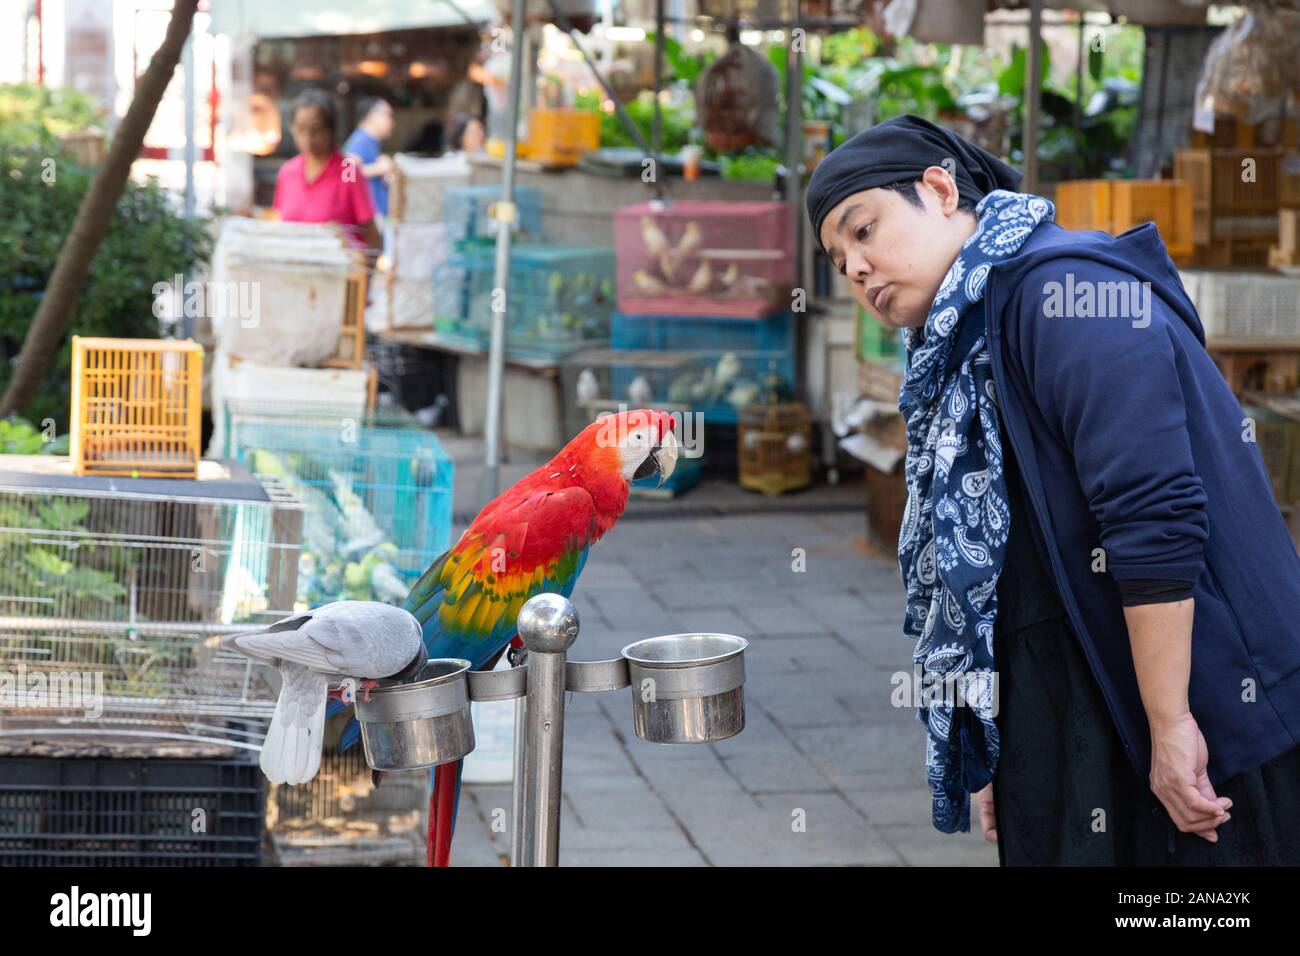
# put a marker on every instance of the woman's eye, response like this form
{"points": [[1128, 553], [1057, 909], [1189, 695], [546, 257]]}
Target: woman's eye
{"points": [[861, 234]]}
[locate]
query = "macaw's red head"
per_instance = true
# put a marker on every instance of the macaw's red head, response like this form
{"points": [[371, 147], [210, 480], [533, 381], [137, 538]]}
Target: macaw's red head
{"points": [[633, 444]]}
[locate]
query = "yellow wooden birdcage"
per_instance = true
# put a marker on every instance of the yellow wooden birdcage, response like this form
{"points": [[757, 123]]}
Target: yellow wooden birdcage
{"points": [[775, 450], [136, 407]]}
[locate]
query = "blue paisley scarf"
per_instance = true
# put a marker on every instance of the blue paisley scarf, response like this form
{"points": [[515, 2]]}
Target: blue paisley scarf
{"points": [[953, 540]]}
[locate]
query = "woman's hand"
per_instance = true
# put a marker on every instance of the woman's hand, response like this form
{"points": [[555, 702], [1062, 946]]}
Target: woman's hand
{"points": [[1178, 761], [988, 822]]}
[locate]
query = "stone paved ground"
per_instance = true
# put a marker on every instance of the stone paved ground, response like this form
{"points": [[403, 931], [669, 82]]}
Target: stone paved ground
{"points": [[821, 734]]}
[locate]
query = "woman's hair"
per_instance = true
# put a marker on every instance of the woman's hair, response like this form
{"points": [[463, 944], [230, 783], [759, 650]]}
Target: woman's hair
{"points": [[317, 100], [907, 189], [368, 106]]}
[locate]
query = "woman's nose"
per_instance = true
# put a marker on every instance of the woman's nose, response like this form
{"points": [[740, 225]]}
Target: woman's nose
{"points": [[856, 267]]}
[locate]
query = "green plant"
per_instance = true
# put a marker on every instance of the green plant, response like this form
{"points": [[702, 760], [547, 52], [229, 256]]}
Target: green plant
{"points": [[29, 569], [675, 123], [148, 242], [18, 436], [30, 113], [751, 163]]}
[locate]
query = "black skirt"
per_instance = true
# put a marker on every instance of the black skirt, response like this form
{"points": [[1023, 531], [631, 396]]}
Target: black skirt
{"points": [[1065, 793]]}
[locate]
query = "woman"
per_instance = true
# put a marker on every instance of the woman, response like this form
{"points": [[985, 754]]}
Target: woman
{"points": [[467, 134], [317, 185], [1091, 550]]}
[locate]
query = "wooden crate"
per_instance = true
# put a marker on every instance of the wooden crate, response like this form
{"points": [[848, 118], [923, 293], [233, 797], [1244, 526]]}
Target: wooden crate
{"points": [[886, 502], [1231, 133], [1118, 205], [1219, 192], [1231, 254], [1274, 371], [880, 380]]}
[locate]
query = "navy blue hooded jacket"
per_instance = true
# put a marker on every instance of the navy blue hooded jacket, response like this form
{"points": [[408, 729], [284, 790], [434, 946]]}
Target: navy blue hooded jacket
{"points": [[1130, 441]]}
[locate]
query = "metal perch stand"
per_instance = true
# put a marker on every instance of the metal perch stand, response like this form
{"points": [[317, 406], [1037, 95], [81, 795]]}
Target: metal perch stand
{"points": [[686, 688]]}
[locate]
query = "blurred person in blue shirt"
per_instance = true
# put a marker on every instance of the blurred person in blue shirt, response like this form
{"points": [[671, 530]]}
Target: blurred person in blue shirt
{"points": [[374, 125]]}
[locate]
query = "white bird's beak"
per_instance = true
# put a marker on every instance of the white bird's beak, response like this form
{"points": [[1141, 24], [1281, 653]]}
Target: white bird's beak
{"points": [[665, 457]]}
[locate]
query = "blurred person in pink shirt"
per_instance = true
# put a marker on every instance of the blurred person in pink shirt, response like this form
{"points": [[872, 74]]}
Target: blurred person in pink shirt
{"points": [[320, 184]]}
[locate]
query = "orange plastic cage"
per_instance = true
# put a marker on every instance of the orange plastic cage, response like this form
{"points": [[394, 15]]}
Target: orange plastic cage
{"points": [[136, 407]]}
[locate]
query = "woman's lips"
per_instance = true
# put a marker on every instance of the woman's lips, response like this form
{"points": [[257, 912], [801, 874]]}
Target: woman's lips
{"points": [[882, 296]]}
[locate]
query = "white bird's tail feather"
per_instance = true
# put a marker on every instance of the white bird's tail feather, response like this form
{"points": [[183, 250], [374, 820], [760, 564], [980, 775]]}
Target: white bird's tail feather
{"points": [[292, 750]]}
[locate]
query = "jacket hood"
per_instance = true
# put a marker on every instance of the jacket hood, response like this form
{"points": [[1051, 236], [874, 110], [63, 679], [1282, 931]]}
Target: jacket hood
{"points": [[1139, 252]]}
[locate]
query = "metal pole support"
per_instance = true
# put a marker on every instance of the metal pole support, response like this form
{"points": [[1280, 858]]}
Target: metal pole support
{"points": [[548, 626]]}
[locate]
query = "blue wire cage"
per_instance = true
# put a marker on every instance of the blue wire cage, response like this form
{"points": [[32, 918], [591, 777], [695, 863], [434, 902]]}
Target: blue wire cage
{"points": [[376, 493], [466, 209], [733, 359], [561, 298]]}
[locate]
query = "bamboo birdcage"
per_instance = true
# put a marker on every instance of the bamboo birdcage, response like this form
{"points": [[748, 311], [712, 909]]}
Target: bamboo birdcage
{"points": [[775, 442], [135, 407]]}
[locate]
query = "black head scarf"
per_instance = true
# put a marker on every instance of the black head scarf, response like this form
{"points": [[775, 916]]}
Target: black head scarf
{"points": [[900, 150]]}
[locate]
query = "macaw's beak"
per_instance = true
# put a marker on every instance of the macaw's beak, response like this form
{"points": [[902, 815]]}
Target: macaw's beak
{"points": [[662, 459]]}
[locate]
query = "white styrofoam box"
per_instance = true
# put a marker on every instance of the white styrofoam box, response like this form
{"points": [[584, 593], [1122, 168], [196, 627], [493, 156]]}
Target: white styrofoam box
{"points": [[294, 276], [343, 389], [1244, 304], [418, 248], [400, 304], [423, 181], [532, 411]]}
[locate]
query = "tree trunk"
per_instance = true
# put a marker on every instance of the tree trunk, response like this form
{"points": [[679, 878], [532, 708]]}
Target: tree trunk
{"points": [[93, 219]]}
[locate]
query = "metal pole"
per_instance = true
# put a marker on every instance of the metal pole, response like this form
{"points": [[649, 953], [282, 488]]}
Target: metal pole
{"points": [[187, 66], [504, 214], [1033, 92], [187, 70], [548, 625], [655, 126], [518, 819]]}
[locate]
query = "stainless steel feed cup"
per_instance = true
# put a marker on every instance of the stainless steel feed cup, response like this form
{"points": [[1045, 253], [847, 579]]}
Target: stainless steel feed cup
{"points": [[687, 688], [411, 726]]}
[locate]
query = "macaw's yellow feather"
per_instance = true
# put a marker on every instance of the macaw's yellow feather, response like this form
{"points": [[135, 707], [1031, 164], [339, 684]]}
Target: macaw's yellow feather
{"points": [[488, 613], [463, 611]]}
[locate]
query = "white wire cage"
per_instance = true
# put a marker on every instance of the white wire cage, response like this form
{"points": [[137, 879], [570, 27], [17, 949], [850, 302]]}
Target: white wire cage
{"points": [[112, 604]]}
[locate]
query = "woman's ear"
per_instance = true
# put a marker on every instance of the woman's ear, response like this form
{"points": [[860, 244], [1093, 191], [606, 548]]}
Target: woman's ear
{"points": [[945, 188]]}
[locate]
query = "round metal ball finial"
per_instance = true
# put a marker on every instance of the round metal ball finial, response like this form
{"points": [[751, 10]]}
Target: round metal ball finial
{"points": [[548, 623]]}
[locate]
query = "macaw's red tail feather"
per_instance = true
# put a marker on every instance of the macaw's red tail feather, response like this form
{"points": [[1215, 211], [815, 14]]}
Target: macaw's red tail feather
{"points": [[442, 813]]}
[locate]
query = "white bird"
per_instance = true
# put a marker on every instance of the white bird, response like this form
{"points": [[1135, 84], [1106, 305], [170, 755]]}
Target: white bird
{"points": [[728, 369], [588, 387], [639, 393], [648, 284], [346, 639], [702, 281], [656, 243]]}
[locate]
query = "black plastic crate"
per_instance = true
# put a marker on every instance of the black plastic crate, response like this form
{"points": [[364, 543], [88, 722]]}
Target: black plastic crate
{"points": [[124, 811]]}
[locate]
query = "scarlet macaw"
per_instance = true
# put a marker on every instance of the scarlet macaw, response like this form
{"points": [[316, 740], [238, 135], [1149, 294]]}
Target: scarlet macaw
{"points": [[532, 538]]}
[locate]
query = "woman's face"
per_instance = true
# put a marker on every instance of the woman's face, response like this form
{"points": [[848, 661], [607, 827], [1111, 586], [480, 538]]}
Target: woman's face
{"points": [[311, 134], [893, 253], [471, 140]]}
